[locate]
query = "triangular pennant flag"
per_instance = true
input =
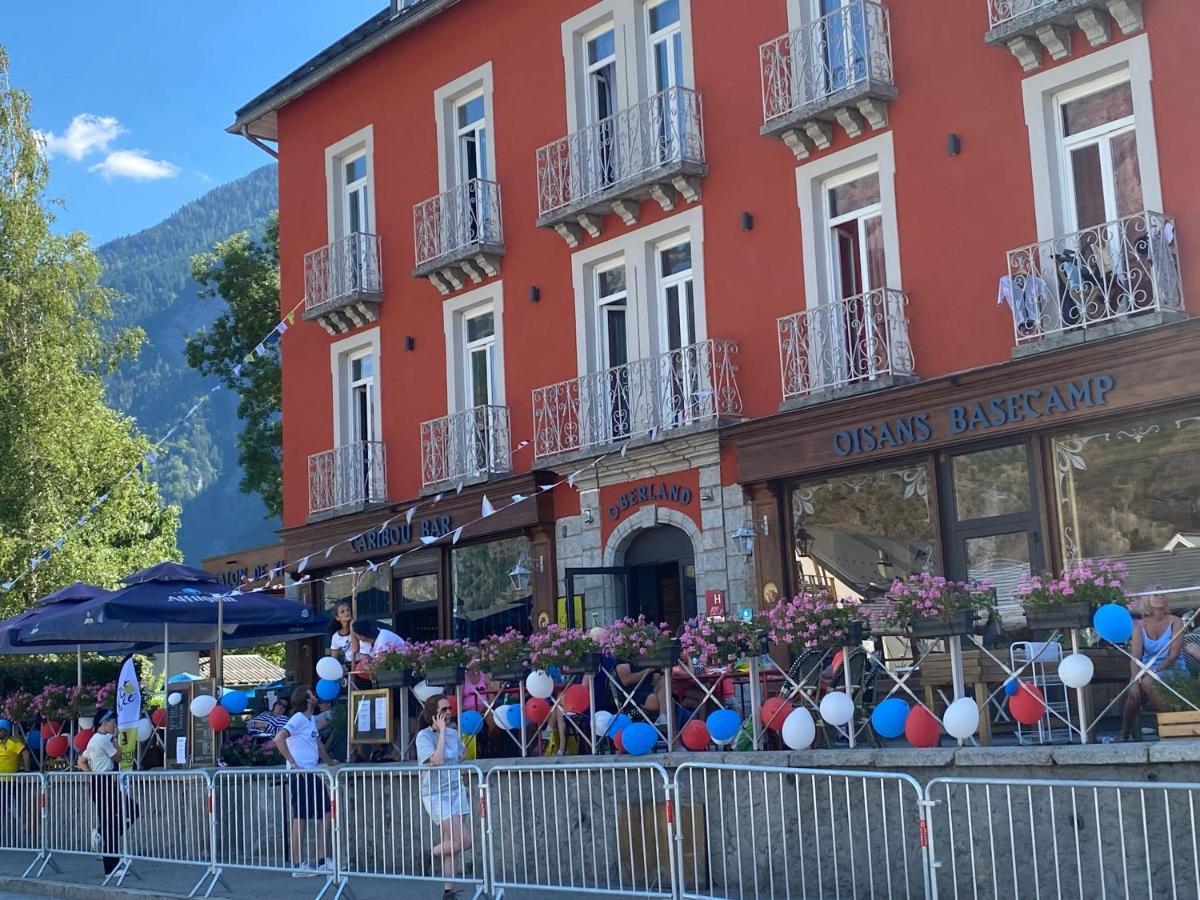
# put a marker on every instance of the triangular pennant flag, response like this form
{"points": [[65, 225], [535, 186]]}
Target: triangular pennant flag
{"points": [[328, 550], [486, 507], [550, 487], [427, 539], [372, 566], [152, 456], [571, 479], [291, 318], [458, 490], [237, 370], [303, 565], [260, 350], [457, 534], [282, 326], [395, 559], [35, 562], [436, 499], [523, 444], [7, 586], [624, 447], [517, 498], [59, 543], [408, 515], [386, 525], [303, 578], [81, 520], [271, 338]]}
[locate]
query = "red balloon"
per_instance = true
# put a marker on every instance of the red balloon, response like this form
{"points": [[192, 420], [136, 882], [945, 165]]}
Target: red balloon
{"points": [[57, 746], [576, 699], [774, 711], [81, 739], [537, 710], [1027, 705], [922, 728], [50, 729], [219, 718], [159, 718], [618, 743], [695, 735]]}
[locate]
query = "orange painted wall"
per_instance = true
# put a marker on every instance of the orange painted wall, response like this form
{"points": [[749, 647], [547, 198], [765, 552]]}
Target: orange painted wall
{"points": [[957, 216]]}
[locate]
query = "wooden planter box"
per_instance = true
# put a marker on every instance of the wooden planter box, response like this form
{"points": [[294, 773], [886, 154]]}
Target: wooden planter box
{"points": [[589, 663], [665, 658], [959, 623], [1061, 617], [1179, 724], [396, 678], [450, 676], [515, 672]]}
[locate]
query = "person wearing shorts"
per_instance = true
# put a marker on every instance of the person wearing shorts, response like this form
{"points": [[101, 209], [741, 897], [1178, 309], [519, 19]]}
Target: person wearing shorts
{"points": [[442, 792], [299, 742]]}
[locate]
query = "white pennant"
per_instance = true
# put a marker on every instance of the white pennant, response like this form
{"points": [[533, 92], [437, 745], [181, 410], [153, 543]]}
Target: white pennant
{"points": [[457, 534], [436, 499], [384, 526], [427, 539], [624, 447], [517, 498], [372, 566], [328, 550], [458, 490], [571, 479], [408, 515], [486, 507], [303, 565]]}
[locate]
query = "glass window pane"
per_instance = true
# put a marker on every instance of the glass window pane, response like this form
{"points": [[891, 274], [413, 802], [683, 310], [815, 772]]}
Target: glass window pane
{"points": [[481, 326], [362, 367], [470, 111], [1001, 559], [676, 259], [611, 281], [1127, 176], [1089, 186], [485, 600], [991, 482], [664, 14], [1104, 106], [356, 169], [418, 589], [481, 382], [372, 600], [601, 46], [876, 268], [662, 68], [852, 195]]}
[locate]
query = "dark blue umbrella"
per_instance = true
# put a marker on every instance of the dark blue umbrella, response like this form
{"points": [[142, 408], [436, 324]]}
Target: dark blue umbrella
{"points": [[48, 607]]}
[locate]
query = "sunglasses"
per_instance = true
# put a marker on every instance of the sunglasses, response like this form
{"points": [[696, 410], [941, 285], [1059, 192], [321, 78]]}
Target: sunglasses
{"points": [[443, 709]]}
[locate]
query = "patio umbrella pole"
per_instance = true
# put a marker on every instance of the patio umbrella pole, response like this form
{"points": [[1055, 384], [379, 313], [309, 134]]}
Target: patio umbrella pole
{"points": [[166, 663], [79, 665]]}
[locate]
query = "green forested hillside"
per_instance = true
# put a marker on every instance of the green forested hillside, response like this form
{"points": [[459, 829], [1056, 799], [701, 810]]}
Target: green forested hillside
{"points": [[150, 272]]}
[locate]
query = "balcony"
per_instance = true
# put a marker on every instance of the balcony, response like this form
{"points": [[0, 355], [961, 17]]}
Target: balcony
{"points": [[1105, 280], [835, 69], [654, 149], [846, 347], [342, 283], [458, 236], [688, 389], [467, 446], [1026, 27], [346, 479]]}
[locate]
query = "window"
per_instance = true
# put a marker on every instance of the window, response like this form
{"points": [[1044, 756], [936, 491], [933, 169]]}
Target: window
{"points": [[855, 220], [349, 168], [612, 309], [485, 599], [678, 305], [474, 328], [480, 334], [361, 401], [471, 139], [369, 600], [356, 210], [464, 118], [666, 45]]}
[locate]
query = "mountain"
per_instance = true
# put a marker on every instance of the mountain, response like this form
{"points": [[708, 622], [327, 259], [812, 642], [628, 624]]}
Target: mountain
{"points": [[150, 272]]}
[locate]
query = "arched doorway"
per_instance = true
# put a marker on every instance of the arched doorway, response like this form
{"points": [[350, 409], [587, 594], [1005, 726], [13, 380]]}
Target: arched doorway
{"points": [[662, 575]]}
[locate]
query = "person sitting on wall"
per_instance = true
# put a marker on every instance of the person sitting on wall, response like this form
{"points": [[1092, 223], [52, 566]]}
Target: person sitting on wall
{"points": [[1158, 637]]}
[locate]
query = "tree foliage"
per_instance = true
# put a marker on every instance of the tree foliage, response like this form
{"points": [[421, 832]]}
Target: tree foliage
{"points": [[244, 272], [62, 445]]}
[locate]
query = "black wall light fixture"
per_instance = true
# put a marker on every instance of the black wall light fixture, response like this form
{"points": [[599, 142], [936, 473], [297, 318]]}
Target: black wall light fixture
{"points": [[953, 145], [535, 293], [409, 343], [747, 221]]}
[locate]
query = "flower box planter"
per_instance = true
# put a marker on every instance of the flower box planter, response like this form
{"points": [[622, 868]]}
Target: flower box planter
{"points": [[588, 663], [396, 678], [1179, 724], [857, 633], [958, 623], [447, 676], [663, 658], [513, 672], [1061, 616]]}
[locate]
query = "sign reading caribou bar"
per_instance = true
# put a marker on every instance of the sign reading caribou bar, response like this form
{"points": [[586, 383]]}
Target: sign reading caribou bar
{"points": [[977, 417]]}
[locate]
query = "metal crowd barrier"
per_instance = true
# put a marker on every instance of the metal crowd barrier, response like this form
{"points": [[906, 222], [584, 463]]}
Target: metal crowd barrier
{"points": [[21, 819]]}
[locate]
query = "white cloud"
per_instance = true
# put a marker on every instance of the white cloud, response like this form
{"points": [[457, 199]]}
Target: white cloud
{"points": [[86, 134], [134, 164]]}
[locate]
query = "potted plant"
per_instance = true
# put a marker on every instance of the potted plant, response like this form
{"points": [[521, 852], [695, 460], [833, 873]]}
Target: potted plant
{"points": [[930, 606], [720, 643], [444, 663], [1181, 716], [53, 703], [1069, 601], [18, 706], [810, 621], [245, 750], [641, 643], [505, 657], [399, 667], [82, 705], [572, 650]]}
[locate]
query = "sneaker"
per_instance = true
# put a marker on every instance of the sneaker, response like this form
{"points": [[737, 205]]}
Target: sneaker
{"points": [[304, 870], [325, 867]]}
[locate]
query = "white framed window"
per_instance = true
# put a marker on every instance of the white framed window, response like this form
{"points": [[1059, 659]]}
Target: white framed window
{"points": [[676, 293], [355, 367], [664, 28], [349, 177], [474, 329], [854, 227], [600, 75], [465, 123], [361, 400], [470, 139], [479, 356], [612, 313], [356, 201]]}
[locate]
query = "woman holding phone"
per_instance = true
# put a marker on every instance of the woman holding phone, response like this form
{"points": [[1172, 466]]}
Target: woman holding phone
{"points": [[442, 792]]}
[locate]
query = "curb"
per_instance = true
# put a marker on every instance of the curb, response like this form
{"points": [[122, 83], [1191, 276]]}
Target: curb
{"points": [[43, 888]]}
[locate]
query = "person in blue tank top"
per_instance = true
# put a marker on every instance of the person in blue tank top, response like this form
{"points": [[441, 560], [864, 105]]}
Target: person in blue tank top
{"points": [[1158, 642]]}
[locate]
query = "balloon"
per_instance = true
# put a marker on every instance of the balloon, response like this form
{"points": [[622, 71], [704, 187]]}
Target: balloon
{"points": [[424, 690], [922, 728], [236, 701], [81, 739], [174, 698], [1076, 670], [219, 718], [329, 668], [639, 739], [327, 689], [619, 723], [539, 684], [203, 705], [723, 725], [799, 729], [537, 710], [601, 722], [618, 743], [1027, 705], [837, 709], [576, 699], [887, 718], [57, 746], [961, 718], [1113, 622], [508, 716], [144, 729], [774, 712], [1010, 686], [470, 722], [695, 735], [50, 729], [159, 717], [596, 634], [33, 740]]}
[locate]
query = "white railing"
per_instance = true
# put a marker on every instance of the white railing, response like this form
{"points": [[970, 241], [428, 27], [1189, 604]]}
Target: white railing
{"points": [[464, 445], [466, 216], [687, 386], [1001, 11], [828, 55], [1097, 275], [345, 269], [347, 476], [663, 131], [846, 342]]}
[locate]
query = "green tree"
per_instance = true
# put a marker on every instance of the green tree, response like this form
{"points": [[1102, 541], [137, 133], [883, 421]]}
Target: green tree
{"points": [[62, 446], [244, 272]]}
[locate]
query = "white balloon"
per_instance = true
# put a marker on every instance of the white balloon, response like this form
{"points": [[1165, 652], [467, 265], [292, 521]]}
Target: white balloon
{"points": [[203, 705], [174, 698], [836, 708], [799, 729], [145, 728], [424, 690], [329, 668], [539, 684], [1076, 670], [596, 633], [961, 718], [602, 722], [501, 715]]}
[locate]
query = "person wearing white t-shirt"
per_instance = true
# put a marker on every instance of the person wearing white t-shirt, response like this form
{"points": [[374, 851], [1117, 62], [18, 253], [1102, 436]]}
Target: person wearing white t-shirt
{"points": [[300, 745], [343, 645], [100, 757], [373, 641]]}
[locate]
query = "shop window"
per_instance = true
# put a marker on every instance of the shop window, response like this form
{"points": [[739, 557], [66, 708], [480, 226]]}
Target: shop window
{"points": [[991, 483], [1129, 492], [370, 601], [417, 606], [486, 597]]}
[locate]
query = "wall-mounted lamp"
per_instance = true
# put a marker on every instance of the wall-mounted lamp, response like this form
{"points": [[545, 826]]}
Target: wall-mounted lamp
{"points": [[588, 516], [953, 145], [535, 293], [804, 543], [747, 221], [706, 494], [409, 343], [521, 575], [747, 532]]}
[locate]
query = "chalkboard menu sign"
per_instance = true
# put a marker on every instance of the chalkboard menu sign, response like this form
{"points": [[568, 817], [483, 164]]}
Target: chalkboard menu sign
{"points": [[371, 716], [190, 741], [203, 743]]}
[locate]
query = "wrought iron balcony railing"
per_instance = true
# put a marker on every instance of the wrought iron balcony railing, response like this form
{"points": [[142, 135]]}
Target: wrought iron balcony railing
{"points": [[343, 279], [853, 341], [469, 444], [1001, 11], [459, 229], [1029, 27], [1110, 272], [347, 478], [693, 385], [648, 149]]}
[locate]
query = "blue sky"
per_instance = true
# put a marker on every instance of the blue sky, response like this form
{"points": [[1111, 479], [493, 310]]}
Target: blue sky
{"points": [[150, 86]]}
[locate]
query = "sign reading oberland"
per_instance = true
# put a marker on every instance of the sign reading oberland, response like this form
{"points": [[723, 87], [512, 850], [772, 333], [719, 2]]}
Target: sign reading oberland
{"points": [[993, 412]]}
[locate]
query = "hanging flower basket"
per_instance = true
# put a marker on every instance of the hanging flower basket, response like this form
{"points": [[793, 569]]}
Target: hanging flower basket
{"points": [[928, 606]]}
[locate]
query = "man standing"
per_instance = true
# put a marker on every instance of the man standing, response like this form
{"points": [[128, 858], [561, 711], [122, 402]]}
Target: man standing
{"points": [[17, 795], [300, 744], [14, 755]]}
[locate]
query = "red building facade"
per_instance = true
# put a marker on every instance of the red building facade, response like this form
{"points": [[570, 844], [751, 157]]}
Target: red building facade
{"points": [[876, 289]]}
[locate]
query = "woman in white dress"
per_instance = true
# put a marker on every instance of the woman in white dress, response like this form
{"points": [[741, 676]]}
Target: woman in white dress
{"points": [[442, 792]]}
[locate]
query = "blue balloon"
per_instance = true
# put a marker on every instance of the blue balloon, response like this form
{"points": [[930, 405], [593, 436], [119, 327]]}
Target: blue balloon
{"points": [[328, 689], [236, 702], [889, 716], [1113, 623], [33, 739], [639, 739], [470, 722], [723, 725], [1010, 687], [513, 715], [619, 723]]}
